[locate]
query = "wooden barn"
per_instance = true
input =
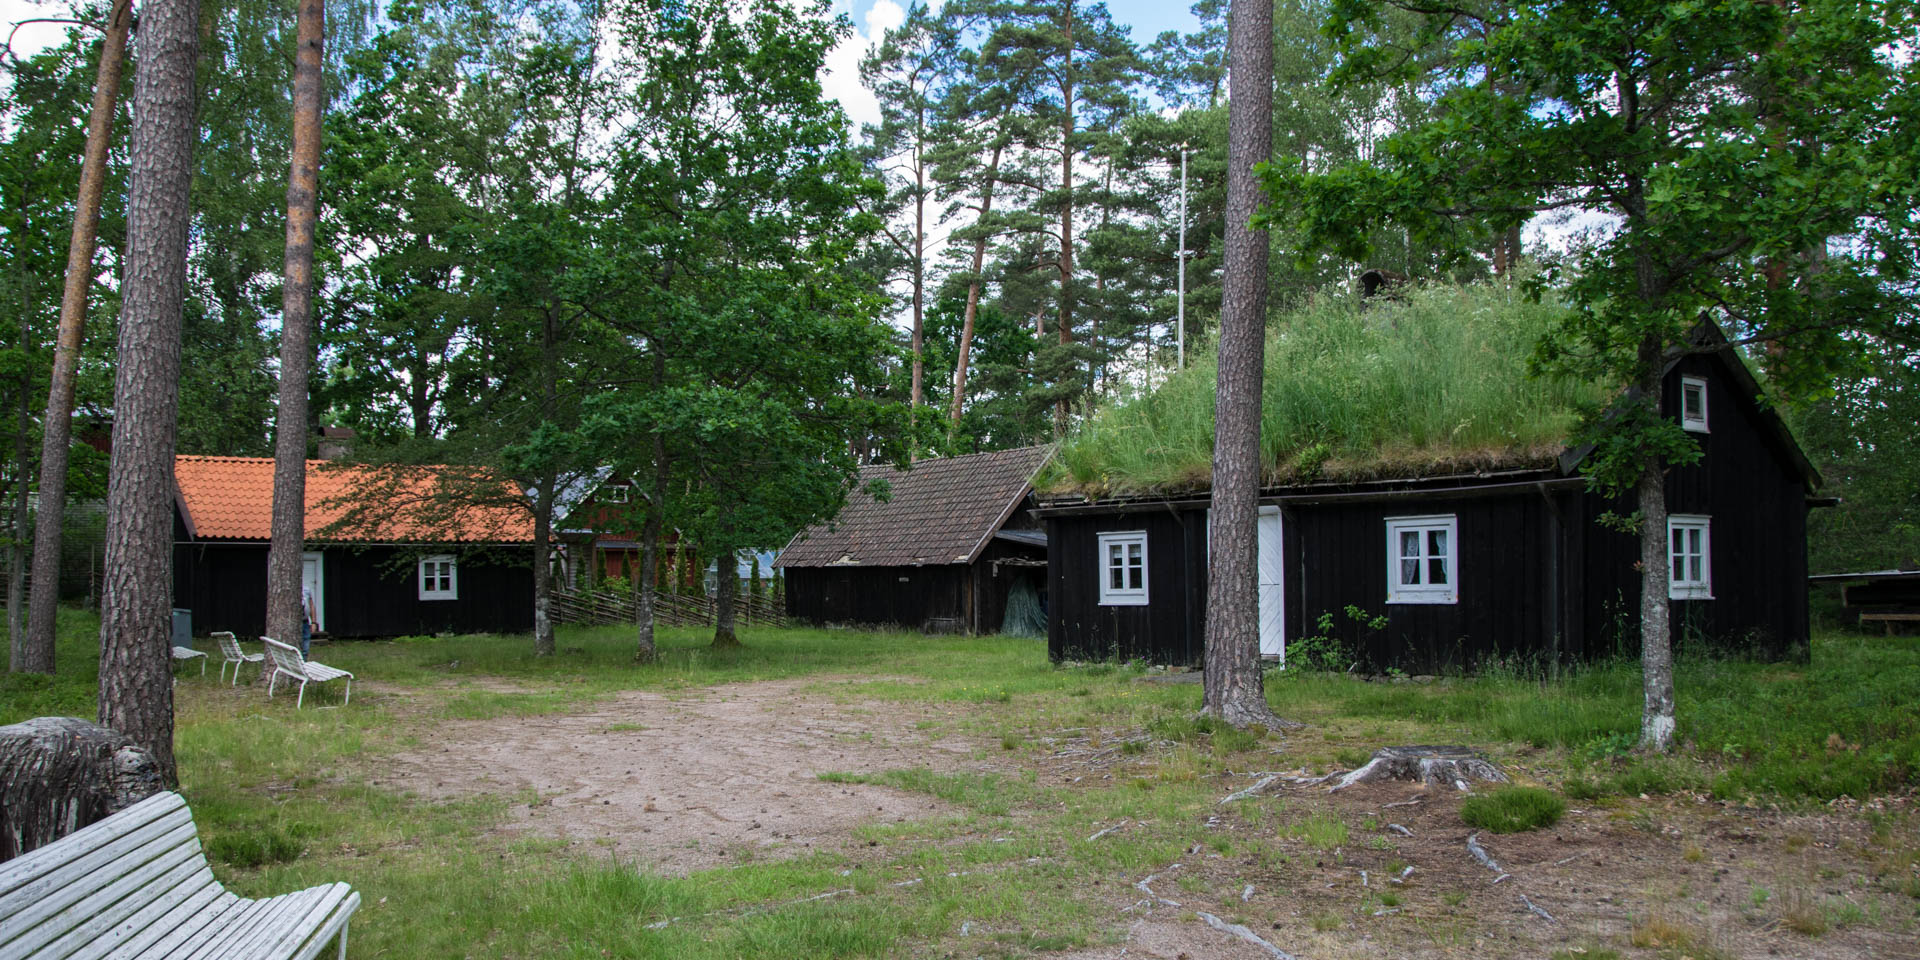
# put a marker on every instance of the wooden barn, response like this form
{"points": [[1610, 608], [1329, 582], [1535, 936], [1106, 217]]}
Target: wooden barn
{"points": [[467, 572], [943, 552], [1456, 568]]}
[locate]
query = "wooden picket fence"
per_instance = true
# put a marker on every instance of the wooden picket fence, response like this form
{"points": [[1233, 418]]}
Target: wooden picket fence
{"points": [[669, 609]]}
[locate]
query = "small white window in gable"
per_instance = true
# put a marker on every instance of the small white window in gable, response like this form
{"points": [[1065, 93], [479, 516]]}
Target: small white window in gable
{"points": [[1123, 568], [1420, 560], [613, 494], [1690, 558], [1693, 404], [439, 578]]}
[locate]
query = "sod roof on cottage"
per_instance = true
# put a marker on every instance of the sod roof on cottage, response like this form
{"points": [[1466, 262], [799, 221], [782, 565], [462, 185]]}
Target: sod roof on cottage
{"points": [[937, 512], [231, 498], [1433, 382]]}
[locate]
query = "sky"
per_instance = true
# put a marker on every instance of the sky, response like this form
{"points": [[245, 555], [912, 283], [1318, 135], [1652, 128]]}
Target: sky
{"points": [[841, 78], [873, 18]]}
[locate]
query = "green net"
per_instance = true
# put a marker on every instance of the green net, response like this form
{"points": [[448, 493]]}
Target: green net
{"points": [[1024, 617]]}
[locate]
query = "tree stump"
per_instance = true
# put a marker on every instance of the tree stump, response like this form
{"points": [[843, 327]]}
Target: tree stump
{"points": [[58, 774], [1424, 765]]}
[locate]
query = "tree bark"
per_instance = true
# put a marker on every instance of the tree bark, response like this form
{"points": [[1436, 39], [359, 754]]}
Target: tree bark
{"points": [[543, 645], [284, 611], [973, 290], [1066, 217], [57, 423], [136, 686], [726, 589], [1656, 632], [22, 444], [1235, 690], [645, 651], [58, 774], [919, 268]]}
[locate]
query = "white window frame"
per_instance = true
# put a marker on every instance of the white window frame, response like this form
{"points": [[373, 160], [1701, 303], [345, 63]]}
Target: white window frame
{"points": [[613, 493], [1449, 592], [436, 592], [1126, 596], [1695, 424], [1690, 587]]}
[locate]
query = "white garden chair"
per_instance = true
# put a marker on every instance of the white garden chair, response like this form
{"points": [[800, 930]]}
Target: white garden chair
{"points": [[236, 657], [285, 660], [189, 653]]}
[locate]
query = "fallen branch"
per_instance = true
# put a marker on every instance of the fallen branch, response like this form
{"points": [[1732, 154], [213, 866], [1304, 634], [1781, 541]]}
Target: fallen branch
{"points": [[1250, 791], [1234, 929], [1566, 860], [1107, 831], [1246, 893], [1423, 765], [1480, 853], [1543, 913], [1403, 803], [1396, 828]]}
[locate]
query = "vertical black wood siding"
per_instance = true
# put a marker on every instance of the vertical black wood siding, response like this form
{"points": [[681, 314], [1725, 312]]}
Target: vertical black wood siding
{"points": [[225, 585], [1540, 579]]}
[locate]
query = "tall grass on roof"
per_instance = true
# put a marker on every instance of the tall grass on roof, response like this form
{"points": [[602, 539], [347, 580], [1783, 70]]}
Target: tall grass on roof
{"points": [[1435, 382]]}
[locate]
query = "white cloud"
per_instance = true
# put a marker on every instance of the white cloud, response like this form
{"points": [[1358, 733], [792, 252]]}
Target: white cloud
{"points": [[840, 77]]}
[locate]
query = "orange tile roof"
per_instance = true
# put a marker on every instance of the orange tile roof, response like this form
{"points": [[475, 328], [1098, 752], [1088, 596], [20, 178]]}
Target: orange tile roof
{"points": [[231, 498]]}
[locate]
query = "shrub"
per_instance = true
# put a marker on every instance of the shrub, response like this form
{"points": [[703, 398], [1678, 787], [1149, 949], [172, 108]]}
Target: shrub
{"points": [[1513, 809]]}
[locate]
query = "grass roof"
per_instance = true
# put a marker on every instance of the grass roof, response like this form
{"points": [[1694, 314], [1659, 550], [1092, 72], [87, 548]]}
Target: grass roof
{"points": [[1434, 382]]}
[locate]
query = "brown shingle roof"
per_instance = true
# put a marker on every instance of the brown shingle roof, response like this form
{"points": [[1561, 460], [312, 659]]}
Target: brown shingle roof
{"points": [[941, 511], [231, 498]]}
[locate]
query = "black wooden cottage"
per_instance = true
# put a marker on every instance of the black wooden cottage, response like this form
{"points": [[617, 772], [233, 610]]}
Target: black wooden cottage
{"points": [[942, 552], [1466, 568], [468, 572]]}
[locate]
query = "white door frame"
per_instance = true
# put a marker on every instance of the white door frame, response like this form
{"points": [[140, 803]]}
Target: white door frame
{"points": [[318, 584], [1272, 579]]}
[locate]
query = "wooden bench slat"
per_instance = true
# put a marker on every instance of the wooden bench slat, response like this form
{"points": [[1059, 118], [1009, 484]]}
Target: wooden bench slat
{"points": [[28, 906], [137, 886], [162, 942], [247, 931], [312, 923], [335, 925], [162, 917], [86, 925], [31, 865]]}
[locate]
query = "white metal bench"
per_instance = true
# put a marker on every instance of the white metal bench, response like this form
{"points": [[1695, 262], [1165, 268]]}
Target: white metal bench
{"points": [[285, 659], [235, 657], [136, 885]]}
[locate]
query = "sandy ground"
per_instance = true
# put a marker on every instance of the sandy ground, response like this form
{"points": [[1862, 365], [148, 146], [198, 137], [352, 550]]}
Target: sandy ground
{"points": [[685, 781]]}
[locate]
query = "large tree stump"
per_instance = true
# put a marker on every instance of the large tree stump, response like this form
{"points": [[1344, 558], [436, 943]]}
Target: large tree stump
{"points": [[1425, 765], [58, 774]]}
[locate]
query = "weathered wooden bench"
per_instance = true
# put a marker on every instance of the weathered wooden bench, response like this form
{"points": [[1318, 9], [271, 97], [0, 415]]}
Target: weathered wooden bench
{"points": [[136, 885]]}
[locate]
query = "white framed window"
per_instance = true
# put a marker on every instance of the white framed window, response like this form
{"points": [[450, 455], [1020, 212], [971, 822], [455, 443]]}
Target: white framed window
{"points": [[439, 578], [1123, 568], [1420, 560], [1689, 557], [1693, 404], [613, 494]]}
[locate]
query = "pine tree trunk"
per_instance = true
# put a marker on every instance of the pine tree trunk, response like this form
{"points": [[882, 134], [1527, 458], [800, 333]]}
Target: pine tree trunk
{"points": [[973, 290], [57, 424], [136, 688], [1066, 218], [543, 645], [285, 613], [919, 273], [17, 559], [1235, 691], [726, 589]]}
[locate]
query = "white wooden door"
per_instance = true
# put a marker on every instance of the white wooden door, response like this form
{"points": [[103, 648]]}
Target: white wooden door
{"points": [[313, 576], [1273, 639]]}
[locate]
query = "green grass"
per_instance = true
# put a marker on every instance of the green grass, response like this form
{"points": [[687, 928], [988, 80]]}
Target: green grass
{"points": [[1398, 388], [1513, 809], [287, 799]]}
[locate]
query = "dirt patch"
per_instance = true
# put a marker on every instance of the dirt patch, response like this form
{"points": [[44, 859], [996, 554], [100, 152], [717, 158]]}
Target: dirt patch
{"points": [[684, 781]]}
